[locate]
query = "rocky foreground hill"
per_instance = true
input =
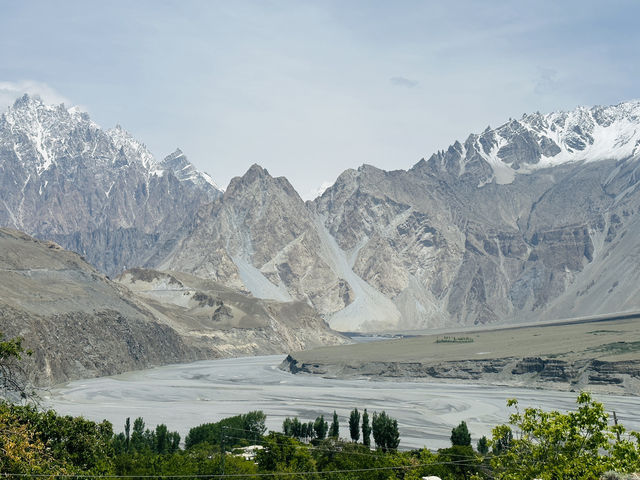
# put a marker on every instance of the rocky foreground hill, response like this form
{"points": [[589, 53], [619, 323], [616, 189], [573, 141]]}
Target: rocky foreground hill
{"points": [[536, 219], [81, 324]]}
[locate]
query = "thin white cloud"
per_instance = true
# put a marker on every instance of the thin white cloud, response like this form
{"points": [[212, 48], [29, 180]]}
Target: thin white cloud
{"points": [[403, 82], [10, 91]]}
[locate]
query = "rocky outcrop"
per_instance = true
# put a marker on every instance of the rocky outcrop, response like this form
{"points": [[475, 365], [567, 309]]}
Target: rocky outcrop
{"points": [[261, 236], [613, 377], [79, 323]]}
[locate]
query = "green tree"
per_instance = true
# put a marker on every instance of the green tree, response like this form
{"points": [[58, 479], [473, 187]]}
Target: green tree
{"points": [[483, 445], [320, 427], [22, 451], [385, 431], [284, 455], [334, 430], [74, 441], [460, 460], [579, 444], [13, 384], [239, 431], [309, 431], [138, 438], [354, 425], [127, 433], [502, 439], [460, 435], [366, 429]]}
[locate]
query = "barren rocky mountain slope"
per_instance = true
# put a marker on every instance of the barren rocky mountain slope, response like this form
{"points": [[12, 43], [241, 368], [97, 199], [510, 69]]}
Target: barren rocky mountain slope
{"points": [[97, 192], [536, 219], [81, 324]]}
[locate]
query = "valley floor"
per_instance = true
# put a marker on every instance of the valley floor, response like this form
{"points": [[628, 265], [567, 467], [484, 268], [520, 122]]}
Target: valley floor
{"points": [[186, 395], [597, 354]]}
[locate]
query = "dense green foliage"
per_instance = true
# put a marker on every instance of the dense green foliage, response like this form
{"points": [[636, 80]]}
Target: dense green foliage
{"points": [[142, 440], [385, 431], [483, 445], [57, 443], [240, 430], [320, 426], [549, 445], [578, 444], [460, 435], [292, 427]]}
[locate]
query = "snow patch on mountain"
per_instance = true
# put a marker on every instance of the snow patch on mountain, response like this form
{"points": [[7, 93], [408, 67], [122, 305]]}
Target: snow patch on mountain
{"points": [[185, 171], [539, 141], [125, 142]]}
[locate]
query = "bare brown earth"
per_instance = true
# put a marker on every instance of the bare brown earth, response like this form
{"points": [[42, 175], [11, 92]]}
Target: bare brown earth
{"points": [[597, 354], [80, 324]]}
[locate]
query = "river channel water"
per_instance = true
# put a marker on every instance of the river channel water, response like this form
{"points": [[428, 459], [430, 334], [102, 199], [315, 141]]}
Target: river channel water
{"points": [[186, 395]]}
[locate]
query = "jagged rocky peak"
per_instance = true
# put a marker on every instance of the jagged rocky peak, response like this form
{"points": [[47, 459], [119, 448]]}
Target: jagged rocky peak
{"points": [[258, 177], [537, 141], [100, 193], [35, 132], [130, 147], [185, 171]]}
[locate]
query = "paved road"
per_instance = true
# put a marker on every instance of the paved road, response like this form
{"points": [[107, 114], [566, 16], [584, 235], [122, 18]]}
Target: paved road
{"points": [[186, 395]]}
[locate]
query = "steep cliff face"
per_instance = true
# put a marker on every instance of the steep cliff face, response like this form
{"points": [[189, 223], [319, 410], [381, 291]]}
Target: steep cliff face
{"points": [[97, 192], [516, 223], [77, 322], [262, 237], [81, 324]]}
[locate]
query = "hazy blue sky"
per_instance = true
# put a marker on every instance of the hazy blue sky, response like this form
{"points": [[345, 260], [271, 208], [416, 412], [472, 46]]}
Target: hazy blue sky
{"points": [[308, 89]]}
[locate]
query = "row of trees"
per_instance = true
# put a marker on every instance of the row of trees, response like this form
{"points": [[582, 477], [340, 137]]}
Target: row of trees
{"points": [[160, 440], [579, 444], [384, 428]]}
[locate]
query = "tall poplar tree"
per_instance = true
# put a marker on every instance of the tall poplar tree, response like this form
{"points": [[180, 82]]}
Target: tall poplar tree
{"points": [[366, 429], [354, 425]]}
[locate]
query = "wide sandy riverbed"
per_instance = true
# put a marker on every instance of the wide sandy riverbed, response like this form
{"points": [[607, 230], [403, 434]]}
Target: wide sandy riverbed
{"points": [[186, 395]]}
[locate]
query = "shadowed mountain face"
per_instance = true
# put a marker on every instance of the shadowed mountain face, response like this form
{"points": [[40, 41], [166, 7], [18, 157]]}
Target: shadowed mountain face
{"points": [[81, 324], [535, 219], [97, 192]]}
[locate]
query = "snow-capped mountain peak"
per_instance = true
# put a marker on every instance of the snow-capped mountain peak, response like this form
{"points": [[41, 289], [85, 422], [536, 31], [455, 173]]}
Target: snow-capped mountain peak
{"points": [[61, 173], [538, 141], [130, 146], [42, 136], [184, 170], [38, 131]]}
